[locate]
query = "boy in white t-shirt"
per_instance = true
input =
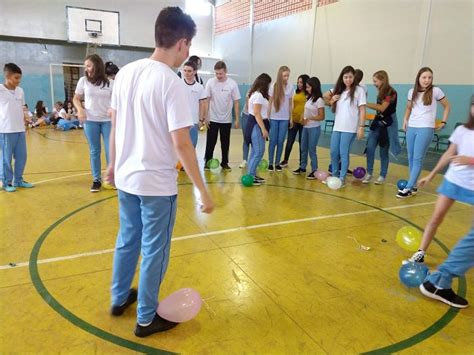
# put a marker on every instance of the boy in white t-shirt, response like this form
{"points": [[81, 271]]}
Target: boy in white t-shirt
{"points": [[151, 118], [222, 93], [196, 97], [12, 130]]}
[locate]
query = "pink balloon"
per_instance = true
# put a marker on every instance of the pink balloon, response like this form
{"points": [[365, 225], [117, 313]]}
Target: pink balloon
{"points": [[321, 175], [180, 306]]}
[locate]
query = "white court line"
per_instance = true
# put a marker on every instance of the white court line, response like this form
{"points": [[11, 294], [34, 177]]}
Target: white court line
{"points": [[223, 231], [59, 178]]}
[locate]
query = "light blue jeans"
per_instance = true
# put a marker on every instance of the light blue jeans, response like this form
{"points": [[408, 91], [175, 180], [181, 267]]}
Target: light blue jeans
{"points": [[245, 147], [309, 142], [258, 149], [13, 146], [146, 225], [395, 146], [459, 261], [418, 142], [278, 131], [66, 125], [341, 143], [93, 131], [371, 147], [194, 131]]}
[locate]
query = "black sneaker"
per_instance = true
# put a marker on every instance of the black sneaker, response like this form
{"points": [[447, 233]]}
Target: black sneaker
{"points": [[226, 167], [96, 185], [298, 171], [260, 179], [206, 166], [284, 164], [256, 182], [270, 168], [414, 190], [131, 299], [444, 295], [278, 168], [157, 325], [349, 172], [418, 257], [311, 176], [404, 193]]}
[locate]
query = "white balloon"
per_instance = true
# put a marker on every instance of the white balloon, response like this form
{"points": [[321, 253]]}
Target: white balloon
{"points": [[334, 183]]}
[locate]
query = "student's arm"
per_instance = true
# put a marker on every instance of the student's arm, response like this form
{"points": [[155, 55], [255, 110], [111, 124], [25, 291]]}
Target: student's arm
{"points": [[442, 162], [327, 96], [236, 112], [257, 109], [187, 156], [379, 107], [109, 172], [319, 117], [292, 107], [205, 111], [406, 116], [447, 108], [291, 110], [202, 110], [81, 113], [361, 130], [270, 105]]}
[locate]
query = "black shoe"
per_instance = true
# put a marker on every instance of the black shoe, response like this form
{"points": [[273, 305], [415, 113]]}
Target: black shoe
{"points": [[349, 172], [157, 325], [404, 193], [131, 299], [444, 295], [284, 163], [298, 171], [226, 167], [260, 179], [414, 190], [278, 168], [270, 168], [96, 185], [311, 176], [256, 182]]}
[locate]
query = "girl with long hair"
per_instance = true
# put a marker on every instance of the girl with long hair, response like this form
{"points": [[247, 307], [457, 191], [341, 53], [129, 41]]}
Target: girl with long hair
{"points": [[419, 123], [281, 94]]}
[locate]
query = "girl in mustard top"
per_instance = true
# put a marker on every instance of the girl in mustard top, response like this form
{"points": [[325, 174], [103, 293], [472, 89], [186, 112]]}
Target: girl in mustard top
{"points": [[296, 120]]}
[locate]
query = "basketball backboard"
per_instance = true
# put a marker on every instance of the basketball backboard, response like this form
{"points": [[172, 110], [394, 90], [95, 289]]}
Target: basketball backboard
{"points": [[93, 26]]}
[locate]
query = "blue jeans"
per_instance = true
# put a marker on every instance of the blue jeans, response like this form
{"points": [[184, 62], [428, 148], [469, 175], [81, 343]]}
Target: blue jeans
{"points": [[459, 261], [258, 149], [66, 125], [418, 142], [341, 143], [146, 225], [93, 131], [309, 142], [245, 147], [395, 146], [371, 147], [13, 146], [193, 131], [278, 130]]}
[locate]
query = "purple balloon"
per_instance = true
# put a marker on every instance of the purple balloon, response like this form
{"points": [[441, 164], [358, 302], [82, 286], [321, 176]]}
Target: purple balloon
{"points": [[321, 175], [359, 172], [180, 306]]}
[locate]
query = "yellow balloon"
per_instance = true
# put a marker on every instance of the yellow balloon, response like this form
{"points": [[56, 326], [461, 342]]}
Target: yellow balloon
{"points": [[409, 238], [108, 186]]}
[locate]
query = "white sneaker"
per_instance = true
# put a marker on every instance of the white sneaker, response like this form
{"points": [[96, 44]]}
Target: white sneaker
{"points": [[243, 165], [367, 179], [380, 180]]}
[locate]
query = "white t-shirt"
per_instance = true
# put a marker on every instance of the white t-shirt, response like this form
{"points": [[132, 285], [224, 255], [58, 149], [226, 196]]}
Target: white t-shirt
{"points": [[462, 175], [222, 95], [310, 110], [421, 115], [150, 101], [257, 98], [96, 99], [284, 112], [60, 114], [347, 111], [196, 93], [11, 110]]}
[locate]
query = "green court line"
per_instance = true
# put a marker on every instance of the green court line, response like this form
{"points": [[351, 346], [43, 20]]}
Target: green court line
{"points": [[68, 315]]}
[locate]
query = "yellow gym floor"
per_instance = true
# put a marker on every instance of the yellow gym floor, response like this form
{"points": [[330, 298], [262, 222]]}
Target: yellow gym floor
{"points": [[279, 266]]}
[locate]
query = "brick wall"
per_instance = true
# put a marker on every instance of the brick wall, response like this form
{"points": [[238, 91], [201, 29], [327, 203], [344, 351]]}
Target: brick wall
{"points": [[232, 15], [325, 2], [267, 10]]}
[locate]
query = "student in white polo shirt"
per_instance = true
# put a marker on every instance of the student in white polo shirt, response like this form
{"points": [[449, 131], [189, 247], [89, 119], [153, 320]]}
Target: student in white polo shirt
{"points": [[151, 117], [196, 96], [12, 130], [222, 93]]}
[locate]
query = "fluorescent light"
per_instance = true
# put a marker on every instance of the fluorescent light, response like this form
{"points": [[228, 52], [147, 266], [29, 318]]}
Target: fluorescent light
{"points": [[198, 7]]}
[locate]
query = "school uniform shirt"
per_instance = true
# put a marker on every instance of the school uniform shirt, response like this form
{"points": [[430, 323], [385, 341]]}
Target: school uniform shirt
{"points": [[347, 111], [221, 99], [150, 102], [11, 110], [284, 112], [196, 93], [462, 175], [299, 101], [60, 114], [311, 109], [424, 115], [257, 98], [96, 99]]}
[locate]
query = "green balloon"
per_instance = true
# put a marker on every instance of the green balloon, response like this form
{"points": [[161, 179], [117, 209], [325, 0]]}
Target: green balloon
{"points": [[213, 163], [263, 165], [247, 180]]}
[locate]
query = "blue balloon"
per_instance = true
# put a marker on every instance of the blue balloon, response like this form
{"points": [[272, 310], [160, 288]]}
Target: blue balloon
{"points": [[401, 184], [413, 274]]}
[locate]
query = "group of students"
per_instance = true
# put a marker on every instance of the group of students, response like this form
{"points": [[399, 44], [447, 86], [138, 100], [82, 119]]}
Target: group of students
{"points": [[63, 116], [147, 113]]}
